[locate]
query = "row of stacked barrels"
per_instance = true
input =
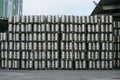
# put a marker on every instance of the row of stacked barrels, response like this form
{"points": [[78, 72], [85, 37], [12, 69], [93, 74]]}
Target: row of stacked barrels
{"points": [[58, 42], [116, 36]]}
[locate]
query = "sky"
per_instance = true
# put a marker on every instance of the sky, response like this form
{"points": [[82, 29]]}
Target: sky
{"points": [[58, 7]]}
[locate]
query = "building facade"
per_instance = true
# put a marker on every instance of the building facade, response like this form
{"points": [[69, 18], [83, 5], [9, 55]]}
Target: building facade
{"points": [[108, 7], [10, 7]]}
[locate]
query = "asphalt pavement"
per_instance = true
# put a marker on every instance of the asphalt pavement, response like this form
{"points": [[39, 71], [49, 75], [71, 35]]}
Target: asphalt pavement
{"points": [[60, 75]]}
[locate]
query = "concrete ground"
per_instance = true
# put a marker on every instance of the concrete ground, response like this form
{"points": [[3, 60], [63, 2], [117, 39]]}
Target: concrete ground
{"points": [[60, 75]]}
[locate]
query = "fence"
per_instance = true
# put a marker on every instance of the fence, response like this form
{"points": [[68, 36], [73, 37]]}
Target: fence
{"points": [[60, 43]]}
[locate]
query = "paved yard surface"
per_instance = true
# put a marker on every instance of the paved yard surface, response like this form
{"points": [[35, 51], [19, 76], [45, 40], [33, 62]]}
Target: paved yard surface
{"points": [[60, 75]]}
